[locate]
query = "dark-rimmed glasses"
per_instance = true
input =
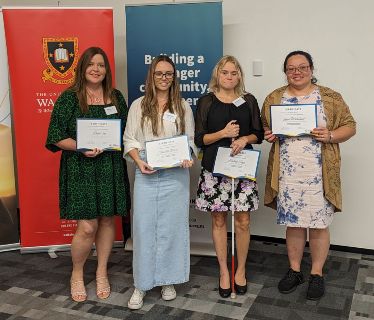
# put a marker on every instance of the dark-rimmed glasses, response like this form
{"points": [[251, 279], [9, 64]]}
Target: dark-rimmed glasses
{"points": [[302, 69], [160, 74]]}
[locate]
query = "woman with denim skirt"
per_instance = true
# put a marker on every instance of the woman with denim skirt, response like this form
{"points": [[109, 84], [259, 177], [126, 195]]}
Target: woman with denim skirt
{"points": [[161, 246]]}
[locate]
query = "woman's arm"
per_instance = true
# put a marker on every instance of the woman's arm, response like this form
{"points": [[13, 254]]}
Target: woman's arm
{"points": [[341, 134], [67, 144], [240, 143], [346, 127], [143, 166], [230, 131], [70, 144], [338, 135], [269, 136]]}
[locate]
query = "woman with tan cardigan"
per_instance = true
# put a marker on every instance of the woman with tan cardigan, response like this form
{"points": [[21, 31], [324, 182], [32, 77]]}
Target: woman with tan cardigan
{"points": [[303, 173]]}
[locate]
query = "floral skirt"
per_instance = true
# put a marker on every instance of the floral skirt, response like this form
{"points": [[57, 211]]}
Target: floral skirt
{"points": [[214, 194]]}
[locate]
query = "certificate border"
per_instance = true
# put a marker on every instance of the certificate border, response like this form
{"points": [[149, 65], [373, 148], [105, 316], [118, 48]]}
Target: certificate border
{"points": [[292, 105], [240, 177], [90, 119], [173, 166]]}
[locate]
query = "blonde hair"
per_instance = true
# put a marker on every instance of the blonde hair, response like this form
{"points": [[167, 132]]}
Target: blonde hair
{"points": [[214, 85], [149, 103]]}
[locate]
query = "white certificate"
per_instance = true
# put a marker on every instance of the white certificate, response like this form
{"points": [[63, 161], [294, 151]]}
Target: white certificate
{"points": [[243, 165], [104, 134], [167, 153], [293, 119]]}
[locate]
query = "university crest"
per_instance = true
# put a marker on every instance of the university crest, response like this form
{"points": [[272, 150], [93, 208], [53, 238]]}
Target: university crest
{"points": [[61, 57]]}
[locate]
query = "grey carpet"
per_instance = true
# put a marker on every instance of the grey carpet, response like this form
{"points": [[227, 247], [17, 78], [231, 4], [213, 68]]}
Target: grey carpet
{"points": [[34, 286]]}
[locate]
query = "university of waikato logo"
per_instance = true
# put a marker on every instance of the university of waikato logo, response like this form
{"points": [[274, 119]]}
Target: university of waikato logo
{"points": [[61, 57]]}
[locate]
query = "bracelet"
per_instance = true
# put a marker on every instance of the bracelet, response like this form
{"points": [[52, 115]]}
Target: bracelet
{"points": [[330, 137]]}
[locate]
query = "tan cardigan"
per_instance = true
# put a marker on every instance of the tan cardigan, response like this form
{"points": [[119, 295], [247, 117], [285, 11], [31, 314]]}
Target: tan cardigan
{"points": [[338, 115]]}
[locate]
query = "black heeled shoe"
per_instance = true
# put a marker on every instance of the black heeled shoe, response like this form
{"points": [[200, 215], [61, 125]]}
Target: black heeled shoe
{"points": [[224, 293], [240, 289]]}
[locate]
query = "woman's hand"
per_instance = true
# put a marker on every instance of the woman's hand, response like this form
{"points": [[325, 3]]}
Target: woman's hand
{"points": [[238, 145], [321, 134], [187, 163], [231, 130], [144, 167], [269, 136], [93, 153]]}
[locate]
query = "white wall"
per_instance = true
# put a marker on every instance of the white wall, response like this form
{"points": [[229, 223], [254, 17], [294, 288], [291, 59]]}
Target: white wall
{"points": [[338, 34]]}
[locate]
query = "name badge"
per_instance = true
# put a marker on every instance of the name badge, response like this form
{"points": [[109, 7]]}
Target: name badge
{"points": [[171, 117], [110, 110], [238, 102]]}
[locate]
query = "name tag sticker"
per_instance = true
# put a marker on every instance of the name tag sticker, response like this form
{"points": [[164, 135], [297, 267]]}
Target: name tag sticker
{"points": [[238, 102], [110, 110], [169, 116]]}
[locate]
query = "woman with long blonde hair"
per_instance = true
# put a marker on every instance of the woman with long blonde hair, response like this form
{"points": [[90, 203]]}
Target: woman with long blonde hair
{"points": [[227, 117]]}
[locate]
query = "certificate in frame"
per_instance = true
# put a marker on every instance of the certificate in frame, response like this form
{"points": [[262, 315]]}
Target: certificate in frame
{"points": [[167, 153], [243, 165], [105, 134], [293, 120]]}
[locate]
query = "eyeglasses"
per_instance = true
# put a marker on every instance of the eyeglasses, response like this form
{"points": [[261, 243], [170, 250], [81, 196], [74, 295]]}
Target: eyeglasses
{"points": [[160, 74], [225, 73], [301, 69]]}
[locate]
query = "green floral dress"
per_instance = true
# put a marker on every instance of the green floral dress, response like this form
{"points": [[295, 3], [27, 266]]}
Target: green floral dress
{"points": [[89, 187]]}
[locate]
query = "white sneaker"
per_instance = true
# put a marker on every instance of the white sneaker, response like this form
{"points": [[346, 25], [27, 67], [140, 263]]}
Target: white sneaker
{"points": [[168, 293], [136, 300]]}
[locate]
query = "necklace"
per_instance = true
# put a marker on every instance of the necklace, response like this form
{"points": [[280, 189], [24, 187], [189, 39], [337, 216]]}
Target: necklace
{"points": [[95, 98]]}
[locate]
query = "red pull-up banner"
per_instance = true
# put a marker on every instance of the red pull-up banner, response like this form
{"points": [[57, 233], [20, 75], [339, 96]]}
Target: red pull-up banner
{"points": [[44, 45]]}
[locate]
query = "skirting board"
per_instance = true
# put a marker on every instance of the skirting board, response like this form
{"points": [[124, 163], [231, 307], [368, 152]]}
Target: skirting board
{"points": [[9, 247], [52, 249]]}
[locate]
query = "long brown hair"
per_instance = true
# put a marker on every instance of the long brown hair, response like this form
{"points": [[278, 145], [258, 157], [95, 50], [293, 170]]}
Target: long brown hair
{"points": [[149, 103], [80, 81]]}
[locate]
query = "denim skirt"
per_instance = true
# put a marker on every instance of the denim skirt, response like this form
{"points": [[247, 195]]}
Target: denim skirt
{"points": [[161, 241]]}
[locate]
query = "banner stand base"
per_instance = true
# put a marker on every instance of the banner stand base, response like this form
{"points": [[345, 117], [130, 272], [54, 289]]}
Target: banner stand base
{"points": [[9, 247], [53, 249], [197, 248]]}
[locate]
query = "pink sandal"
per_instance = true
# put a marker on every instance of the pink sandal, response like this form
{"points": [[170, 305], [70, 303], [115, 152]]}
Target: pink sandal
{"points": [[78, 291], [102, 288]]}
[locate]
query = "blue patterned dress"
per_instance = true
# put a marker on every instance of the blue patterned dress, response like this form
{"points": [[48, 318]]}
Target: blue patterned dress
{"points": [[301, 202]]}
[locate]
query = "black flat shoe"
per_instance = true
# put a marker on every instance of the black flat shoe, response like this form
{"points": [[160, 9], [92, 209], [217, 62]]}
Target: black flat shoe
{"points": [[240, 289], [224, 293]]}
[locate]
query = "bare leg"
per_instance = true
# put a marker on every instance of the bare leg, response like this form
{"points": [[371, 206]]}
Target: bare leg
{"points": [[81, 246], [219, 226], [104, 244], [242, 233], [319, 242], [295, 238]]}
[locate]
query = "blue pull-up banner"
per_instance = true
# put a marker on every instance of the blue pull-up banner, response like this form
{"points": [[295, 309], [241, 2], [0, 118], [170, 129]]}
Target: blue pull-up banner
{"points": [[189, 33]]}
